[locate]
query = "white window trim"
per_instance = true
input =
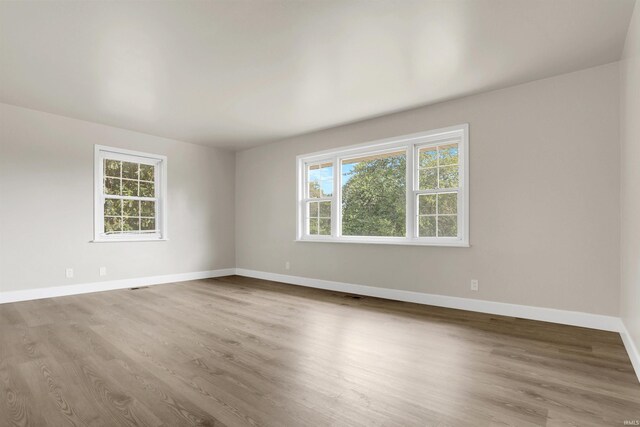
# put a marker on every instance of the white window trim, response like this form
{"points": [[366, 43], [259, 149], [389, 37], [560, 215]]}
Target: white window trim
{"points": [[157, 160], [411, 143]]}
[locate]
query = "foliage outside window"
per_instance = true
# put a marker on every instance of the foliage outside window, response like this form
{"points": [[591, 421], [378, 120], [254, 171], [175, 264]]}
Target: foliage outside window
{"points": [[406, 190], [374, 195], [129, 195]]}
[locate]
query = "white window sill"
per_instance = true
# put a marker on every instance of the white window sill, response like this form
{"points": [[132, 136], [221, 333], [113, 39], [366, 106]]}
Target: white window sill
{"points": [[456, 244], [126, 240]]}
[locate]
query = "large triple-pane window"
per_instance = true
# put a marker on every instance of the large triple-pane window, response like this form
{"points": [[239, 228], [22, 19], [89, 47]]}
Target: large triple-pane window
{"points": [[129, 195], [407, 190]]}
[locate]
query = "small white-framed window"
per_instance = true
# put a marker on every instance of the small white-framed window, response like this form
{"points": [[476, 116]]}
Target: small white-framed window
{"points": [[412, 189], [130, 195]]}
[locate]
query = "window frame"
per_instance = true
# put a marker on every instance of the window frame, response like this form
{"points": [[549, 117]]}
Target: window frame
{"points": [[159, 162], [306, 199], [411, 144]]}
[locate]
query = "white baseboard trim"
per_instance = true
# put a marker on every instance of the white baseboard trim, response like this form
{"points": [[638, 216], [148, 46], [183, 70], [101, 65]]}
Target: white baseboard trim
{"points": [[632, 349], [84, 288], [573, 318]]}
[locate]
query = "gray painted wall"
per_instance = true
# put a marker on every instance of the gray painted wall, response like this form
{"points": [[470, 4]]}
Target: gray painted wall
{"points": [[46, 204], [545, 226], [630, 180], [544, 200]]}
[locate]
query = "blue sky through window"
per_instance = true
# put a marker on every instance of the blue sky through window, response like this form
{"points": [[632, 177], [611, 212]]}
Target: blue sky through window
{"points": [[323, 176], [347, 172]]}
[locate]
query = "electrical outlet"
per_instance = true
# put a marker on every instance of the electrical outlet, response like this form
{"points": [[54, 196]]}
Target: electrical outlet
{"points": [[69, 273], [474, 285], [287, 265], [103, 271]]}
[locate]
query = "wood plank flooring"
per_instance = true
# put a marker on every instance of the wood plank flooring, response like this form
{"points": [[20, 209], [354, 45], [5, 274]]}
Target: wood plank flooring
{"points": [[243, 352]]}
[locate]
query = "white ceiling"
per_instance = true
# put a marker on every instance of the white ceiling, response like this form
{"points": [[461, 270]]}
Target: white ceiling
{"points": [[239, 73]]}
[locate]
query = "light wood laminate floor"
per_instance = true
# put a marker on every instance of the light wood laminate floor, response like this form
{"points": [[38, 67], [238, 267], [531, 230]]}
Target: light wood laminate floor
{"points": [[237, 351]]}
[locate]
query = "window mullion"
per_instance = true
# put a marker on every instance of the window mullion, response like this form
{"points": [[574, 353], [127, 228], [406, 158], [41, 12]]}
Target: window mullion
{"points": [[410, 214], [319, 199], [302, 193], [143, 199], [336, 211], [159, 219], [461, 209], [99, 220], [438, 191]]}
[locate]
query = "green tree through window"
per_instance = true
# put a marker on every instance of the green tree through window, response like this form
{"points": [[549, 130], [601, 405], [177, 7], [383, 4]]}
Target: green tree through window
{"points": [[374, 195]]}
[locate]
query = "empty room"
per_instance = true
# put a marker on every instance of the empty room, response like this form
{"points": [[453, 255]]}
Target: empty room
{"points": [[320, 213]]}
